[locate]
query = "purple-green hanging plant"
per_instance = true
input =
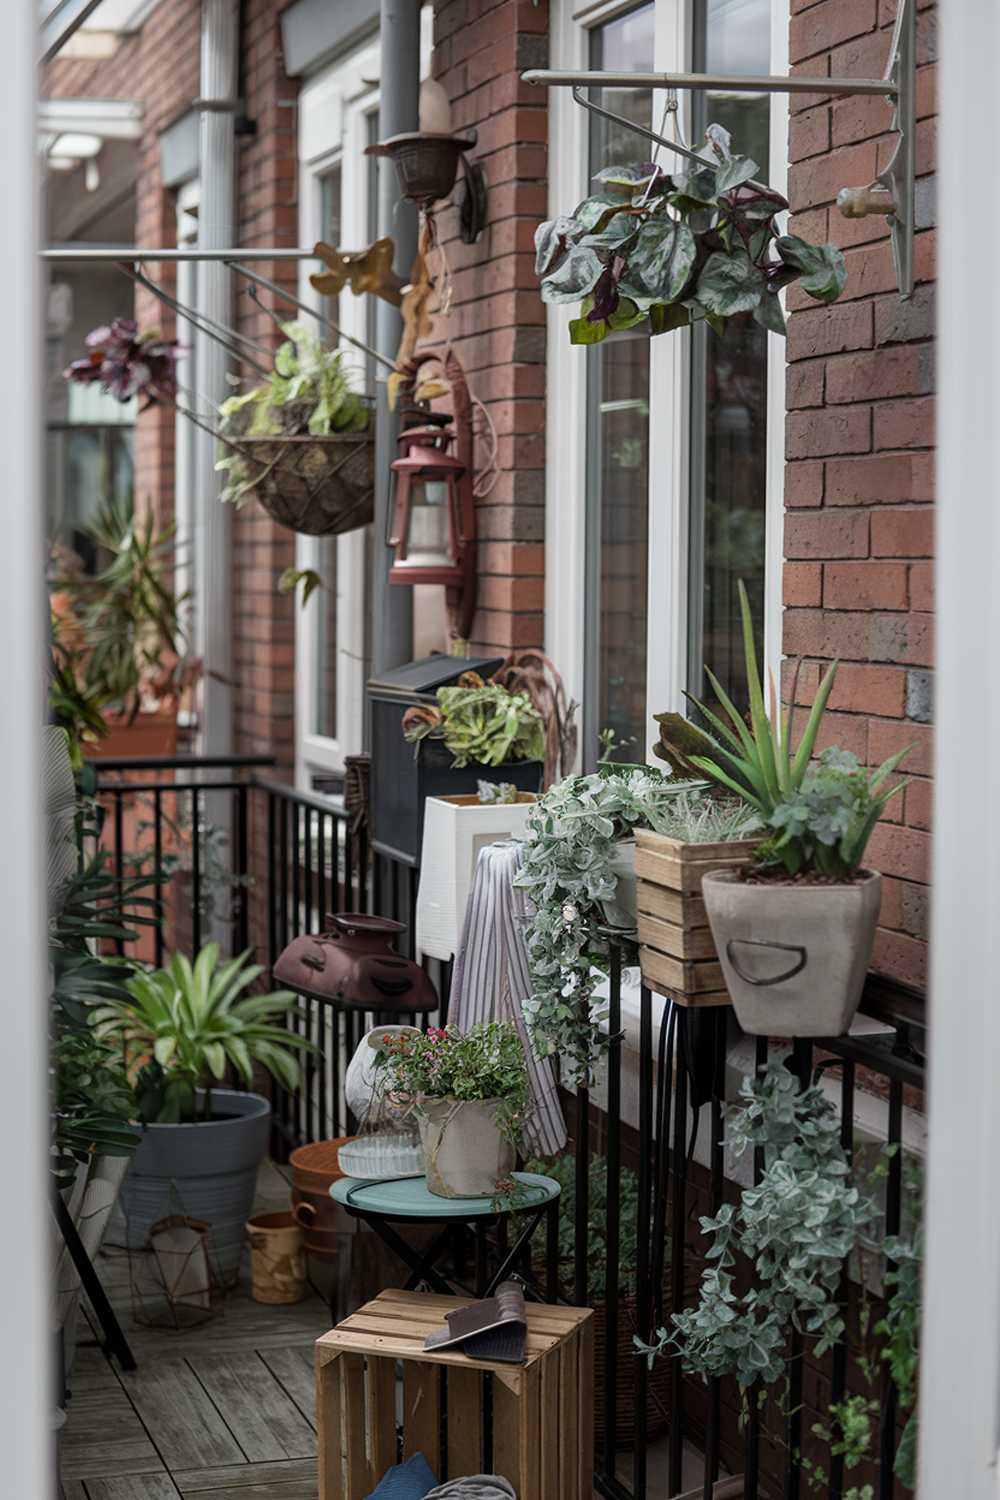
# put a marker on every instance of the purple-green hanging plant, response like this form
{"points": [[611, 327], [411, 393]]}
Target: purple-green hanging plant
{"points": [[127, 363], [699, 245]]}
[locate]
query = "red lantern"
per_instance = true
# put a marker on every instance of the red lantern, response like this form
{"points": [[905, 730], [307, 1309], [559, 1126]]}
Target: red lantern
{"points": [[433, 519]]}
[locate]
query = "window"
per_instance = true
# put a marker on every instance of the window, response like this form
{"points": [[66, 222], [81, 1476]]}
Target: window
{"points": [[678, 463]]}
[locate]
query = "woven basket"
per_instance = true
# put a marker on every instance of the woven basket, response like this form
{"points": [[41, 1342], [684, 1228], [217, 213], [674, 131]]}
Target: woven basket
{"points": [[317, 485], [657, 1380]]}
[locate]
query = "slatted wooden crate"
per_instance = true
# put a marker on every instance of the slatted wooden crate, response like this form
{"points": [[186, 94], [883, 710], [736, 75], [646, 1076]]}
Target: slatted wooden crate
{"points": [[676, 949], [542, 1410]]}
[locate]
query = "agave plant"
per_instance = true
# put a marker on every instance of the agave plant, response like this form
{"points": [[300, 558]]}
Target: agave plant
{"points": [[821, 815], [184, 1025]]}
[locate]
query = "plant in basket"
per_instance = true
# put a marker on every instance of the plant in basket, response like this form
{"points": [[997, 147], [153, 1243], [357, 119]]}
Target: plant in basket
{"points": [[302, 442], [794, 927], [469, 1093]]}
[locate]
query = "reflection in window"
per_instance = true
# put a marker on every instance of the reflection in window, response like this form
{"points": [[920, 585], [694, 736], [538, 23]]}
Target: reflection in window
{"points": [[87, 469], [729, 386], [618, 446]]}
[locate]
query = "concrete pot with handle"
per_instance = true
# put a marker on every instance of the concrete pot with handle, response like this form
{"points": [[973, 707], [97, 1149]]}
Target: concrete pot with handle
{"points": [[465, 1153], [794, 955]]}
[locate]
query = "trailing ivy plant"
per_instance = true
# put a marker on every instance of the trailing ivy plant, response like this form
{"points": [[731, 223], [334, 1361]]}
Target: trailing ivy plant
{"points": [[798, 1226], [567, 873], [672, 249]]}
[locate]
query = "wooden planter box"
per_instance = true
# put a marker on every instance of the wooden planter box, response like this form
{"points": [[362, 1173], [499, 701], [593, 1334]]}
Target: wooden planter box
{"points": [[676, 953], [542, 1421]]}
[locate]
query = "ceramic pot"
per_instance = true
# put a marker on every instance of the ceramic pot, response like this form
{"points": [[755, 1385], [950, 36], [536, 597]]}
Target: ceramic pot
{"points": [[794, 956], [465, 1154], [621, 910]]}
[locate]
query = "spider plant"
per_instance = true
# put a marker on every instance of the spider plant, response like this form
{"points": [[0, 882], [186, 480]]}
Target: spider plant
{"points": [[181, 1027]]}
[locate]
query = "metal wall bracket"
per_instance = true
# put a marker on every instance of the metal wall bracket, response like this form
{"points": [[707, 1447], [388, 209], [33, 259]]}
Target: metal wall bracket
{"points": [[892, 192]]}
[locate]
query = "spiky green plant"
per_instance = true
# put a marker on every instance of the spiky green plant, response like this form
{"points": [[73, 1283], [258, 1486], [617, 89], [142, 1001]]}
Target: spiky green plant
{"points": [[821, 817], [185, 1024]]}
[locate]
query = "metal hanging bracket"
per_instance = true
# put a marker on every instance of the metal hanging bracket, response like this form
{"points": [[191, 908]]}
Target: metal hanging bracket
{"points": [[892, 192]]}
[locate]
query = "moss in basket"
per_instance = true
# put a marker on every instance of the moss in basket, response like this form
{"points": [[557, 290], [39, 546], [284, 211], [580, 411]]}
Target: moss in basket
{"points": [[308, 393]]}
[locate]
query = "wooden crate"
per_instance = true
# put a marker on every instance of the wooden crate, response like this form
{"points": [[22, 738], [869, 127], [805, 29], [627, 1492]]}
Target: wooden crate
{"points": [[676, 950], [542, 1410]]}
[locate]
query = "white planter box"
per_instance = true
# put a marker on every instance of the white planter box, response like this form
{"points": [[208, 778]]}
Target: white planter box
{"points": [[455, 829]]}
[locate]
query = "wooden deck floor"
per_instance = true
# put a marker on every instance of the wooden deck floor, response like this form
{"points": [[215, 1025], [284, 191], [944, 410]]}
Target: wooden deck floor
{"points": [[222, 1412]]}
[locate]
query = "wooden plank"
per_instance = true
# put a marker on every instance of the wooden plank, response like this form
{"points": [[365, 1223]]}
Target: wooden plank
{"points": [[422, 1412], [676, 942], [661, 843], [465, 1423], [569, 1419], [330, 1425], [690, 978], [256, 1488], [542, 1315], [516, 1433], [133, 1487], [286, 1471], [680, 874], [104, 1436], [359, 1480], [380, 1396], [660, 973], [585, 1407], [550, 1377], [405, 1349], [294, 1370], [685, 911], [181, 1419], [412, 1330], [260, 1414]]}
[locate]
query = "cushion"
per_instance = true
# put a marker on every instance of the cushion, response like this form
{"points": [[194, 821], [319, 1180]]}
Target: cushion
{"points": [[410, 1481]]}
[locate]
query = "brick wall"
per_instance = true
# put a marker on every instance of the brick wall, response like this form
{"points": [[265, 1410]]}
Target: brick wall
{"points": [[859, 443], [497, 321]]}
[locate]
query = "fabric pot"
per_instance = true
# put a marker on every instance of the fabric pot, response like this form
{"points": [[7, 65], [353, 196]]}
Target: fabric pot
{"points": [[621, 910], [277, 1258], [465, 1154], [794, 956], [206, 1169], [318, 485]]}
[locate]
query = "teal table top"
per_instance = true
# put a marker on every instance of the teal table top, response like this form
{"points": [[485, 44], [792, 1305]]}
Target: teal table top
{"points": [[409, 1198]]}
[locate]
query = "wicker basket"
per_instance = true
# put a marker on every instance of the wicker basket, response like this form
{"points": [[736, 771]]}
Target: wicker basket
{"points": [[317, 485]]}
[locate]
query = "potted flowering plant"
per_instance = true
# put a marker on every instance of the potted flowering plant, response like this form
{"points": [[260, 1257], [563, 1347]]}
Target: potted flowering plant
{"points": [[794, 927], [469, 1094]]}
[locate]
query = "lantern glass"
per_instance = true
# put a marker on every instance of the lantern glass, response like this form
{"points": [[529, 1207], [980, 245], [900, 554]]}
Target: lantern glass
{"points": [[427, 530]]}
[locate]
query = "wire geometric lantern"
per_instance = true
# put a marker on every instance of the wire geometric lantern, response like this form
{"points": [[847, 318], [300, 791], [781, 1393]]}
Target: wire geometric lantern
{"points": [[175, 1280]]}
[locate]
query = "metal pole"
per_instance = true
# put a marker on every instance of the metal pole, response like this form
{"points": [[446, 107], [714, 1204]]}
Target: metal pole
{"points": [[722, 83], [399, 92], [79, 254], [216, 229]]}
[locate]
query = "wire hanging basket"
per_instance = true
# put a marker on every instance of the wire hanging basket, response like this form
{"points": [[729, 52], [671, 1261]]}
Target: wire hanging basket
{"points": [[317, 485]]}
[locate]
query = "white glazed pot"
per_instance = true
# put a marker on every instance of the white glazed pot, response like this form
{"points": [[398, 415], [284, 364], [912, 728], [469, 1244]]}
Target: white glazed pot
{"points": [[794, 956], [465, 1155]]}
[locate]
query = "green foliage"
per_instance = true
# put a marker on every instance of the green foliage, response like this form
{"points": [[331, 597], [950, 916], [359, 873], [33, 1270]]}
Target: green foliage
{"points": [[307, 577], [485, 1062], [797, 1226], [308, 392], [563, 1170], [822, 816], [128, 616], [485, 725], [666, 251], [900, 1329], [567, 874], [92, 1104], [192, 1022]]}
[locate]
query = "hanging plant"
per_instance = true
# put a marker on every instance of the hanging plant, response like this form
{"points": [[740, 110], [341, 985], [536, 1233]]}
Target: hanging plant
{"points": [[127, 363], [671, 250]]}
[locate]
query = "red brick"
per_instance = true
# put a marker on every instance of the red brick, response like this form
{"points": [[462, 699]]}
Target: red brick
{"points": [[859, 118], [903, 533], [900, 957], [865, 585], [907, 370], [812, 434], [907, 639], [802, 583], [827, 633], [809, 134], [828, 24], [820, 179], [828, 330], [880, 479], [904, 852], [804, 384], [886, 739], [865, 689], [918, 803], [905, 424], [922, 585], [804, 483], [825, 533]]}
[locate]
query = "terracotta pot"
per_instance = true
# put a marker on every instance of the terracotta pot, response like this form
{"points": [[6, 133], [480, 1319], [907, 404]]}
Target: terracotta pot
{"points": [[465, 1154], [146, 734], [794, 956]]}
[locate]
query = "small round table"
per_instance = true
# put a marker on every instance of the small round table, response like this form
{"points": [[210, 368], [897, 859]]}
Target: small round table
{"points": [[408, 1198]]}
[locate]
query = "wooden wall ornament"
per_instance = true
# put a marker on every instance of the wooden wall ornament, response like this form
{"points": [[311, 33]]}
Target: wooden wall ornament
{"points": [[362, 270]]}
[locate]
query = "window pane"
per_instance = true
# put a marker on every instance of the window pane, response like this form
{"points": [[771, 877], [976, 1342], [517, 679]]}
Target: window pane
{"points": [[729, 389], [618, 444]]}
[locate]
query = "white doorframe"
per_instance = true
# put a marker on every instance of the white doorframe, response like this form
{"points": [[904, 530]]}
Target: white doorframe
{"points": [[960, 1344]]}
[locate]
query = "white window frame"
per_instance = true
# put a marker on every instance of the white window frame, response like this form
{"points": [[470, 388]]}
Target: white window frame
{"points": [[333, 112], [185, 432], [669, 386]]}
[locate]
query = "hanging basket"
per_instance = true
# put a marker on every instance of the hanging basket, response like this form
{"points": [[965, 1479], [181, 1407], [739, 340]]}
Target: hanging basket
{"points": [[321, 486]]}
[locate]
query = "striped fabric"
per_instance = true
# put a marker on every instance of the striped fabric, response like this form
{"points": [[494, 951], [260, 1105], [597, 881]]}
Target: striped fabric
{"points": [[492, 981]]}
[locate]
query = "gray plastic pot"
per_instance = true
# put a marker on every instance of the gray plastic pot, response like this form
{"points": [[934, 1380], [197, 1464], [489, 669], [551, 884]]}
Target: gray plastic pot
{"points": [[207, 1170], [794, 957]]}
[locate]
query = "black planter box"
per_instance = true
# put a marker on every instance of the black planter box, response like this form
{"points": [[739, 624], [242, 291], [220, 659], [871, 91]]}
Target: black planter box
{"points": [[403, 776]]}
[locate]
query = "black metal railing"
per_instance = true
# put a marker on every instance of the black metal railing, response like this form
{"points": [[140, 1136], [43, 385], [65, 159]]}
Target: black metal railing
{"points": [[285, 859]]}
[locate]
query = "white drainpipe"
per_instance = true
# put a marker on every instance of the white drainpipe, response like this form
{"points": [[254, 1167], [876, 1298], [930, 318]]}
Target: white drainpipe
{"points": [[216, 229]]}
